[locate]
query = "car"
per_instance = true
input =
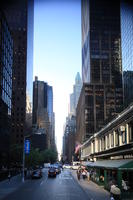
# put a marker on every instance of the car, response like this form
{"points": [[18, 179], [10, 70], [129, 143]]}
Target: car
{"points": [[57, 168], [46, 165], [36, 174], [75, 165], [66, 166], [52, 172]]}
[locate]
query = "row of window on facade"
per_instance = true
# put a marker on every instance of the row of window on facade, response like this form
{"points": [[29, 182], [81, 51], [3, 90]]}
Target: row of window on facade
{"points": [[122, 135], [118, 137]]}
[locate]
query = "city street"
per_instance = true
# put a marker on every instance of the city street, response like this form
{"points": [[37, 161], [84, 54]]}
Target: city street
{"points": [[64, 187]]}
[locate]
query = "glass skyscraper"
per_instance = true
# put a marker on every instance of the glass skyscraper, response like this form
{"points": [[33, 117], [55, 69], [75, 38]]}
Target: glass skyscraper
{"points": [[43, 116], [102, 92], [19, 15], [6, 64], [127, 49], [74, 97], [101, 42]]}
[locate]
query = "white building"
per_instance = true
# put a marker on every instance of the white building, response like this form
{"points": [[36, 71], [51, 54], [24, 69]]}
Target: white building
{"points": [[74, 97]]}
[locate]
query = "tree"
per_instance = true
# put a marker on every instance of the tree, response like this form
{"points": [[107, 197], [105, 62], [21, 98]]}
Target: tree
{"points": [[34, 158], [16, 154], [50, 156]]}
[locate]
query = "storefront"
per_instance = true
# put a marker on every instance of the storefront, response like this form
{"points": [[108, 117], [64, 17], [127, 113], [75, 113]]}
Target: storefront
{"points": [[118, 172]]}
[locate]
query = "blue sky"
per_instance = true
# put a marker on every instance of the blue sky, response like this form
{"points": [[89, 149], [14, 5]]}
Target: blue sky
{"points": [[57, 52]]}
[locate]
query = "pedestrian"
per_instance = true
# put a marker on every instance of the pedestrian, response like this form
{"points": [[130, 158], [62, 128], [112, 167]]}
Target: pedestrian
{"points": [[9, 176], [84, 174], [88, 175], [78, 174]]}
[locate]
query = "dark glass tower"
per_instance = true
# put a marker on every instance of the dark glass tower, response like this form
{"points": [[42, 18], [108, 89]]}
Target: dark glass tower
{"points": [[39, 100], [18, 19], [43, 116], [101, 63], [127, 49], [6, 64], [101, 42]]}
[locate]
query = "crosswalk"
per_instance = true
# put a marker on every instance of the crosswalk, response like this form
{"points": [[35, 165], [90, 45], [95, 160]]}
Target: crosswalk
{"points": [[65, 176]]}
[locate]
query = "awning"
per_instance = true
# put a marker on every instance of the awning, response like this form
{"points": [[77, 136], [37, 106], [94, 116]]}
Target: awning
{"points": [[112, 164], [86, 163]]}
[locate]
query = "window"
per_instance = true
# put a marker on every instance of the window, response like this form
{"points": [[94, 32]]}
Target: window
{"points": [[131, 132], [99, 145], [112, 139], [117, 138], [108, 141], [124, 136]]}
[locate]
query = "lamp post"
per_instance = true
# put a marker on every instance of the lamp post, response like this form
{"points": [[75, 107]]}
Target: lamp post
{"points": [[24, 148]]}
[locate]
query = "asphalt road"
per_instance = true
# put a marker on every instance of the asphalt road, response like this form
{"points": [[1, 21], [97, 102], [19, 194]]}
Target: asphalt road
{"points": [[63, 187]]}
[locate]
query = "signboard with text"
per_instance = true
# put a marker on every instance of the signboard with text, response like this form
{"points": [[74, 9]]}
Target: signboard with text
{"points": [[27, 147]]}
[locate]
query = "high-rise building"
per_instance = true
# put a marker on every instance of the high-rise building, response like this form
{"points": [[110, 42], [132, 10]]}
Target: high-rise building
{"points": [[69, 139], [128, 87], [101, 42], [6, 64], [39, 100], [50, 102], [19, 16], [74, 97], [43, 116], [102, 92], [127, 49]]}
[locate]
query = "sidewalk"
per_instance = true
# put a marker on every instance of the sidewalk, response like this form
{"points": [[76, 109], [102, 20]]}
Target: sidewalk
{"points": [[7, 187], [93, 191]]}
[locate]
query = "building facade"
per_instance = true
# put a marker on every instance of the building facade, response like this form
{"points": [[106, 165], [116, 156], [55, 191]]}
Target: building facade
{"points": [[6, 65], [101, 43], [43, 116], [18, 19], [128, 85], [74, 97], [127, 49], [69, 139], [111, 150], [102, 96]]}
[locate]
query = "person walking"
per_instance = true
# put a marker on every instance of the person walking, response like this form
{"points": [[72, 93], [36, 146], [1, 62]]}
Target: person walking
{"points": [[88, 175], [84, 174], [9, 176], [78, 174]]}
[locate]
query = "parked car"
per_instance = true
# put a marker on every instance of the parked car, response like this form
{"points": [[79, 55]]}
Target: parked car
{"points": [[36, 174], [52, 172]]}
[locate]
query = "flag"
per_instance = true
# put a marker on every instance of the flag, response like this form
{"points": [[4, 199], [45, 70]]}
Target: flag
{"points": [[77, 147]]}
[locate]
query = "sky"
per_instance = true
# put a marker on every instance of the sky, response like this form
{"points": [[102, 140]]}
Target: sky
{"points": [[57, 52]]}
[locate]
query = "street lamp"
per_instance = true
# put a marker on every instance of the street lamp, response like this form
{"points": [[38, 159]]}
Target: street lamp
{"points": [[24, 148]]}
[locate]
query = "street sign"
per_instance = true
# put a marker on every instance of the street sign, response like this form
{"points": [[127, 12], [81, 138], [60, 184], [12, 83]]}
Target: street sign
{"points": [[27, 146]]}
